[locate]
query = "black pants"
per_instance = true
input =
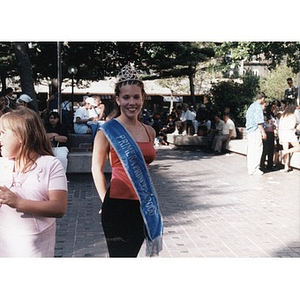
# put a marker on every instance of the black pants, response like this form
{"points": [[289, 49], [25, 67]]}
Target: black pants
{"points": [[268, 151], [123, 226]]}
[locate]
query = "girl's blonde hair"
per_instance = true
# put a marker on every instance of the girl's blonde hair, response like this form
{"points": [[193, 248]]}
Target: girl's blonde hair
{"points": [[27, 125]]}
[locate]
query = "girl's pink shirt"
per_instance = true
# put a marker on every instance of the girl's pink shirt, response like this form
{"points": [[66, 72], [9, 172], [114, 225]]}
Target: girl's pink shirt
{"points": [[34, 185]]}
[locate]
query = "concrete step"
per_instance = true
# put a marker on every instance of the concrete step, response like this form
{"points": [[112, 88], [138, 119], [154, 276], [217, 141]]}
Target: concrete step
{"points": [[81, 162], [238, 146], [295, 160], [79, 149], [188, 140], [75, 140]]}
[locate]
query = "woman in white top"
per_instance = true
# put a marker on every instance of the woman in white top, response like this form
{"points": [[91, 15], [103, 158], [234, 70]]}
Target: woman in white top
{"points": [[287, 134]]}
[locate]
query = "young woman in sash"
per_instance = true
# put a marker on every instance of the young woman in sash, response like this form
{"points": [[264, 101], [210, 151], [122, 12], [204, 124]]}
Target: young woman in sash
{"points": [[122, 220]]}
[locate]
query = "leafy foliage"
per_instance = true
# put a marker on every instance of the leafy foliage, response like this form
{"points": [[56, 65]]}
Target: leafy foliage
{"points": [[274, 84], [175, 59], [274, 52], [97, 60], [8, 66], [236, 96]]}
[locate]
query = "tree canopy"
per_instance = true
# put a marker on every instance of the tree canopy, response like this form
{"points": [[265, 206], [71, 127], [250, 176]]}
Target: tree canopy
{"points": [[274, 52], [98, 60]]}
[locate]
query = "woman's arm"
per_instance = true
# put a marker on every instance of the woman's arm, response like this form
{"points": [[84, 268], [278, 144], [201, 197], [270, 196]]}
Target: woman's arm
{"points": [[100, 152], [101, 115], [55, 207], [82, 121], [55, 137]]}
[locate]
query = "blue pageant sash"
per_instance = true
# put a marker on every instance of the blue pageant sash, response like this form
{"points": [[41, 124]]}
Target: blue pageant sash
{"points": [[134, 164]]}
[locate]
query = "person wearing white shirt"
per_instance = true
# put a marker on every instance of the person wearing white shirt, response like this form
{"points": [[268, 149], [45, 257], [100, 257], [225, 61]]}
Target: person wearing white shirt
{"points": [[81, 118], [228, 133], [187, 117]]}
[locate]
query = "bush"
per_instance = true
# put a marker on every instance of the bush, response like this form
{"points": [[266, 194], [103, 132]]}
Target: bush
{"points": [[235, 95]]}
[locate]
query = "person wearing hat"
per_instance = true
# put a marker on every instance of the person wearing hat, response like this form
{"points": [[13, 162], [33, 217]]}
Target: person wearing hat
{"points": [[92, 108], [23, 100]]}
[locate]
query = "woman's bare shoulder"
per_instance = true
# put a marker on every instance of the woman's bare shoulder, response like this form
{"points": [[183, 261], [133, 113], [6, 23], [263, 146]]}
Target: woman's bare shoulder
{"points": [[150, 130]]}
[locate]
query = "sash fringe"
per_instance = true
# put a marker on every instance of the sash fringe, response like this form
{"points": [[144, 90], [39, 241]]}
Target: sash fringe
{"points": [[154, 247]]}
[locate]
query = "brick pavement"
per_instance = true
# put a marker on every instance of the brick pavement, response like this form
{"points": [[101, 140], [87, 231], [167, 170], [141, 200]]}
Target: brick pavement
{"points": [[211, 208]]}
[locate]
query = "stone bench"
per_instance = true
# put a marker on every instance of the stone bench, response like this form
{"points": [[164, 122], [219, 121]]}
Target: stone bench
{"points": [[80, 155], [240, 147], [186, 140], [295, 160], [80, 145], [80, 142], [81, 162]]}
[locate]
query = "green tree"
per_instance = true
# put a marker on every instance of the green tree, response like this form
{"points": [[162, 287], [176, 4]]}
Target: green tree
{"points": [[274, 83], [8, 67], [236, 96], [94, 60], [25, 69], [176, 59], [274, 52], [35, 61]]}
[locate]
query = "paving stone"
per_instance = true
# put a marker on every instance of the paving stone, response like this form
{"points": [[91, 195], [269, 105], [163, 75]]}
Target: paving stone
{"points": [[211, 208]]}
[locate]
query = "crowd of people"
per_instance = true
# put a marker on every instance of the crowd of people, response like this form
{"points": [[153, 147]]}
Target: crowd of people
{"points": [[272, 134], [85, 118], [218, 128], [273, 130], [269, 145], [57, 132]]}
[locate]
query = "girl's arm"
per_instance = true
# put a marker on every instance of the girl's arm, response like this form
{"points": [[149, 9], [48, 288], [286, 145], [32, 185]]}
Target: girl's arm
{"points": [[55, 207], [100, 151]]}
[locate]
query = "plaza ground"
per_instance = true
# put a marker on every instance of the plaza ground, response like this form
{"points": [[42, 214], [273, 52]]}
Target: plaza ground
{"points": [[211, 208]]}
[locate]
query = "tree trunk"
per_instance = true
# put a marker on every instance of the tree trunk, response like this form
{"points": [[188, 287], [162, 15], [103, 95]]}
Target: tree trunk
{"points": [[3, 82], [25, 69], [298, 85], [192, 88]]}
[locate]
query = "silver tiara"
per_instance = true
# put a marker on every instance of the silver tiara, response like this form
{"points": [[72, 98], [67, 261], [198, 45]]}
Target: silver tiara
{"points": [[128, 72]]}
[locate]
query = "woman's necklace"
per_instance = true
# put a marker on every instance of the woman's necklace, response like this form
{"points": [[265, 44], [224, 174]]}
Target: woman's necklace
{"points": [[19, 178]]}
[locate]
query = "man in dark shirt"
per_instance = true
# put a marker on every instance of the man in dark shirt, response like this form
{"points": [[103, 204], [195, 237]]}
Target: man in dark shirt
{"points": [[291, 94]]}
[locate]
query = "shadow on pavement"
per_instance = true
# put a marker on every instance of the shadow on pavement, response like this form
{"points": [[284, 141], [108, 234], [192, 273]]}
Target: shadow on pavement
{"points": [[79, 232]]}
